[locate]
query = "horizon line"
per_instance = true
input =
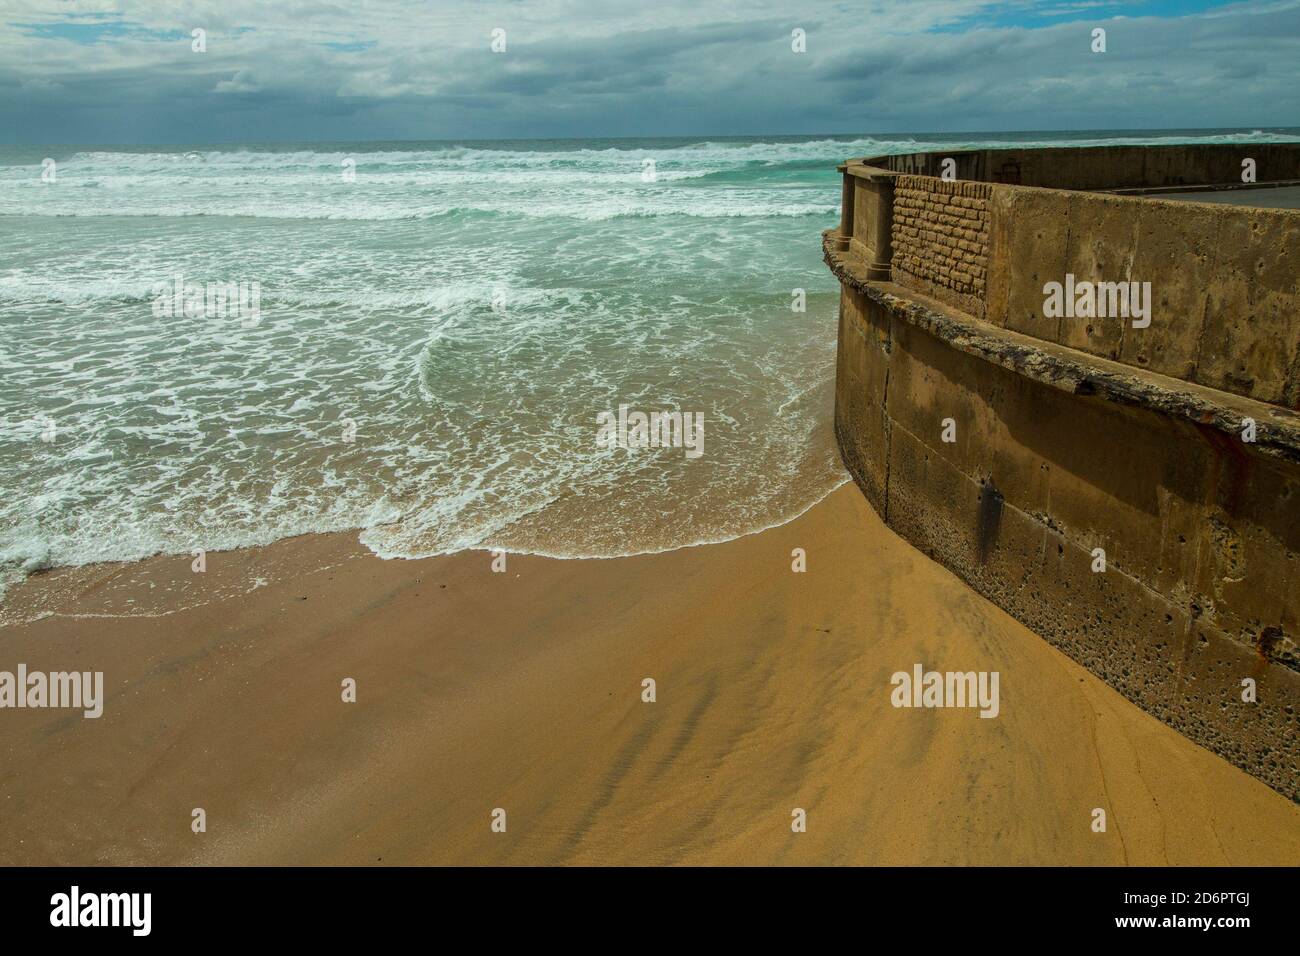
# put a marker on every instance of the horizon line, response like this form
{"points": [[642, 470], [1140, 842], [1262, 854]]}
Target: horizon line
{"points": [[702, 137]]}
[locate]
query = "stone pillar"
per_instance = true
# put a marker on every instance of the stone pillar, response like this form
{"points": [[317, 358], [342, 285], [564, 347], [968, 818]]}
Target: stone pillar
{"points": [[873, 213], [847, 193]]}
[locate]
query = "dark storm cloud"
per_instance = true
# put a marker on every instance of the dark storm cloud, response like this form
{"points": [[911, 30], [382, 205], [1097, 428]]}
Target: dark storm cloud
{"points": [[88, 70]]}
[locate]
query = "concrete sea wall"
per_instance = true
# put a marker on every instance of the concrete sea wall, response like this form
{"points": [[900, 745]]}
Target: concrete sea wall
{"points": [[1016, 448]]}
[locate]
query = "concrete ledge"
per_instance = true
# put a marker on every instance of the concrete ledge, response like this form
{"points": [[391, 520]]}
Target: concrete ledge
{"points": [[1203, 188], [1071, 370], [1105, 167]]}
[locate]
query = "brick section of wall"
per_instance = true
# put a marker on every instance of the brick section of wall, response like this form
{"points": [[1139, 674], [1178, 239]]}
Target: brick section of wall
{"points": [[941, 239]]}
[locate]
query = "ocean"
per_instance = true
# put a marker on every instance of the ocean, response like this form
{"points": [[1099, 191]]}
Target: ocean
{"points": [[438, 327]]}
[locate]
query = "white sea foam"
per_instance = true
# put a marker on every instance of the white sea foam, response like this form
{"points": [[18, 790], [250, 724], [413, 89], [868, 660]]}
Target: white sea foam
{"points": [[475, 424]]}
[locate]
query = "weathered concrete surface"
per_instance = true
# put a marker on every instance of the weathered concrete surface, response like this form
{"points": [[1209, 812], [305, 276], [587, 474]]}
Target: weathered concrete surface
{"points": [[1172, 449], [1225, 308], [1075, 372], [1059, 453]]}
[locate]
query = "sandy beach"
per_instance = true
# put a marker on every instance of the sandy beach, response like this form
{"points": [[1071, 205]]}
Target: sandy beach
{"points": [[522, 690]]}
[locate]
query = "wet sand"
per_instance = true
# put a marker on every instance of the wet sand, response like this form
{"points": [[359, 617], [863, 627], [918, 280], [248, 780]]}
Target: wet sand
{"points": [[522, 690]]}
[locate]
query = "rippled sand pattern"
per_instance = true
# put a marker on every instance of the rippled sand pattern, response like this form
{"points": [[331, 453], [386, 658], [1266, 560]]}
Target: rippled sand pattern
{"points": [[522, 691]]}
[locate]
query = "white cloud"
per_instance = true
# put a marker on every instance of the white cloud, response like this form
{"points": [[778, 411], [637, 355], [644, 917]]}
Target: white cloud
{"points": [[408, 68]]}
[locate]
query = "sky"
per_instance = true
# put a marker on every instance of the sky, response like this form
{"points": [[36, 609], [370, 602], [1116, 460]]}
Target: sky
{"points": [[126, 71]]}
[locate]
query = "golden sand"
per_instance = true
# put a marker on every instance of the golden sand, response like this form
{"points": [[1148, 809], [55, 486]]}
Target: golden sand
{"points": [[522, 690]]}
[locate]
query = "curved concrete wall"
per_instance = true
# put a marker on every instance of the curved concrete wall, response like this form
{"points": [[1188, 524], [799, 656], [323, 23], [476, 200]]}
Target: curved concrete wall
{"points": [[1069, 439], [1223, 279]]}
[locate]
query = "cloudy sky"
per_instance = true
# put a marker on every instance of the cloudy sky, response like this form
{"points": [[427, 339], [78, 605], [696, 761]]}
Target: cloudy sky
{"points": [[122, 71]]}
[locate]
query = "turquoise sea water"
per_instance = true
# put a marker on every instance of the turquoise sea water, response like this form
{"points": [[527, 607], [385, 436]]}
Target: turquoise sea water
{"points": [[440, 324]]}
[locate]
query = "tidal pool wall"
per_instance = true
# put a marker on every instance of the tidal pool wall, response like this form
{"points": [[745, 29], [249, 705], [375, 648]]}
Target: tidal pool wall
{"points": [[1017, 448]]}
